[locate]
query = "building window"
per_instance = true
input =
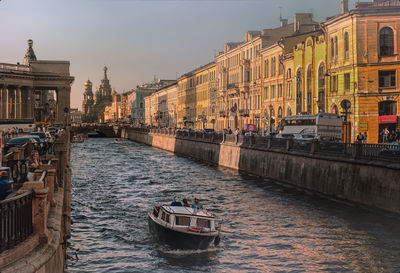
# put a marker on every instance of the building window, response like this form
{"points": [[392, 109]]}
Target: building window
{"points": [[265, 93], [346, 46], [336, 48], [289, 74], [334, 85], [266, 69], [280, 90], [387, 79], [299, 91], [272, 91], [321, 88], [280, 112], [347, 81], [273, 67], [332, 50], [387, 108], [280, 66], [289, 90], [309, 90], [386, 42]]}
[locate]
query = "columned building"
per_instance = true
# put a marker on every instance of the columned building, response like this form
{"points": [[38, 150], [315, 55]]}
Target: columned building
{"points": [[37, 89], [239, 70]]}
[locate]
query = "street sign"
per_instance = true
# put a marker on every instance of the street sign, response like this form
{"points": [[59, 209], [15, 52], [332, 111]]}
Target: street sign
{"points": [[66, 110], [346, 104]]}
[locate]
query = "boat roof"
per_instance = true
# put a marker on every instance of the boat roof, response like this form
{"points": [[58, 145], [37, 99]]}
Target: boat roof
{"points": [[187, 211]]}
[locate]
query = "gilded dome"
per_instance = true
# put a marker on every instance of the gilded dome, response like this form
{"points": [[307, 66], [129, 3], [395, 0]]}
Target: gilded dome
{"points": [[88, 83]]}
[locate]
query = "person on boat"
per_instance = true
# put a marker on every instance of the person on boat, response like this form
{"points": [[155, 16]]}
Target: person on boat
{"points": [[196, 204], [176, 203], [185, 202]]}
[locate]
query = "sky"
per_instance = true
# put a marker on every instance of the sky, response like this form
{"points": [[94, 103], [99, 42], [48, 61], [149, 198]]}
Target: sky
{"points": [[138, 39]]}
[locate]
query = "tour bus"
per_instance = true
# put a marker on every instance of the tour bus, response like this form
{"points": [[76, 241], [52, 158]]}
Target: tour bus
{"points": [[319, 125], [24, 125]]}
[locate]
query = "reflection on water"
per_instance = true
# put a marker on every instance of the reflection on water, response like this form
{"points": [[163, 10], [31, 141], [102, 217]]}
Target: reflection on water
{"points": [[265, 227]]}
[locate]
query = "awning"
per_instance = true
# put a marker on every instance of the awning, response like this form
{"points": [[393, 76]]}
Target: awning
{"points": [[387, 119]]}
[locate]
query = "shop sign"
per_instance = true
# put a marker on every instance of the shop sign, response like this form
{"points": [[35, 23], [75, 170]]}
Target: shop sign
{"points": [[251, 127], [387, 119]]}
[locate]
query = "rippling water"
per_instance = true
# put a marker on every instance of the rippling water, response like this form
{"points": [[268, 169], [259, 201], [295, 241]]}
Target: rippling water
{"points": [[265, 227]]}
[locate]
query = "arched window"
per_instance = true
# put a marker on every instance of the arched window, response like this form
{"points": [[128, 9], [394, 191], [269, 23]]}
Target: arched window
{"points": [[321, 88], [288, 111], [346, 46], [386, 42], [280, 112], [299, 91], [309, 90]]}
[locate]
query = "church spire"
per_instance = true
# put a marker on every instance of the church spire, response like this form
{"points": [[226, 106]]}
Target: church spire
{"points": [[105, 72], [30, 54]]}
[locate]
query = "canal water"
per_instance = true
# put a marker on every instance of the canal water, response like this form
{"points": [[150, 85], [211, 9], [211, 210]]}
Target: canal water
{"points": [[266, 227]]}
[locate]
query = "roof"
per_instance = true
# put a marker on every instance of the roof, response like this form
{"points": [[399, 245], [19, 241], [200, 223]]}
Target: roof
{"points": [[187, 211]]}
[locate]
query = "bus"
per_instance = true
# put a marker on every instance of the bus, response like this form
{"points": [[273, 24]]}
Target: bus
{"points": [[319, 125], [24, 125]]}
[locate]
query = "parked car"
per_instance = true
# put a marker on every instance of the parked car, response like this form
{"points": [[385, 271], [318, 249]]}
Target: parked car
{"points": [[6, 182], [284, 136], [18, 141], [304, 137], [391, 150], [42, 136]]}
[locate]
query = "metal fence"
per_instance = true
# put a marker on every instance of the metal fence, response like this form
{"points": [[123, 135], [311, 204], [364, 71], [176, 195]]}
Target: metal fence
{"points": [[15, 220]]}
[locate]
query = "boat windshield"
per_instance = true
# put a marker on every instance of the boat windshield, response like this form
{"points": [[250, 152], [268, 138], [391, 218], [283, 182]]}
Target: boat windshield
{"points": [[205, 223], [182, 221], [165, 217]]}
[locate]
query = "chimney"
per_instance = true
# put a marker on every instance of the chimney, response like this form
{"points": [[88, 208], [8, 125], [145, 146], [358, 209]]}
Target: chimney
{"points": [[284, 22], [344, 6]]}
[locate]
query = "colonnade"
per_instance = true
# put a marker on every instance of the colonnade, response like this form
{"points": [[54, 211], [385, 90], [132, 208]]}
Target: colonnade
{"points": [[18, 101]]}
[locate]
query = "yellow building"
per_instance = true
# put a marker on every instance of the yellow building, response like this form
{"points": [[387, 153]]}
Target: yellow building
{"points": [[205, 89], [363, 65], [186, 108]]}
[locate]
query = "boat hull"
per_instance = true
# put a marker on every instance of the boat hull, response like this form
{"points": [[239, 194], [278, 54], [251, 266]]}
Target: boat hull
{"points": [[181, 240]]}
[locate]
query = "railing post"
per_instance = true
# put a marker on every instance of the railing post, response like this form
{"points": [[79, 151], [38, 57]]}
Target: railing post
{"points": [[223, 137], [314, 146], [39, 211], [49, 182], [289, 144], [269, 142]]}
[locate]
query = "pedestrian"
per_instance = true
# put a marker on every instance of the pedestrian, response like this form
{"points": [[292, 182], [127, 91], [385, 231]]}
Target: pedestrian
{"points": [[385, 135], [365, 137], [33, 164], [359, 138]]}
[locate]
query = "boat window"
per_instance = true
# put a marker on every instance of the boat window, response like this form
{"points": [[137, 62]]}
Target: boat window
{"points": [[182, 221], [165, 217], [203, 223]]}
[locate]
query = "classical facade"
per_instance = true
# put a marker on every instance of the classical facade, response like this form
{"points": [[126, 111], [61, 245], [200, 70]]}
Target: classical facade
{"points": [[138, 102], [239, 70], [37, 89], [363, 66]]}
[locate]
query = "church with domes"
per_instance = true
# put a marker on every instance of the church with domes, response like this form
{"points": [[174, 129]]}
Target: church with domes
{"points": [[93, 105]]}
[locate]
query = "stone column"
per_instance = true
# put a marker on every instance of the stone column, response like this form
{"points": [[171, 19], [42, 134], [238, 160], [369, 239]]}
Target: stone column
{"points": [[63, 101], [7, 101], [15, 102], [30, 102], [19, 102], [1, 103]]}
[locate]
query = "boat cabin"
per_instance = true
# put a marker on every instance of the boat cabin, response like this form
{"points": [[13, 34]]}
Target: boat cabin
{"points": [[185, 218]]}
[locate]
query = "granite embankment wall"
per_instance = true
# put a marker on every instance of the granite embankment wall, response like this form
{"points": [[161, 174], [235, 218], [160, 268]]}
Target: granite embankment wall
{"points": [[370, 183], [44, 251]]}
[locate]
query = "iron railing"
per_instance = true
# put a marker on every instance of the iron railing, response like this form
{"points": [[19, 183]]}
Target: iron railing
{"points": [[15, 220], [385, 152]]}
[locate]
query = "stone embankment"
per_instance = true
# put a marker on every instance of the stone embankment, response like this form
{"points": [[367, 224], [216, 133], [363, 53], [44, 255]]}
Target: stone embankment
{"points": [[350, 172], [35, 224]]}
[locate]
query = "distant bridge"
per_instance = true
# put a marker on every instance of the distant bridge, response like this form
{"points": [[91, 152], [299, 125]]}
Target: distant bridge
{"points": [[102, 130]]}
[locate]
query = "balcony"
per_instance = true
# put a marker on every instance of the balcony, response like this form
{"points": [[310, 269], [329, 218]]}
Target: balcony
{"points": [[244, 112]]}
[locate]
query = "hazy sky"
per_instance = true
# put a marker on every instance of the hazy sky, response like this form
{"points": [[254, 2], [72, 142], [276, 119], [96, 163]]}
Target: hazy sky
{"points": [[137, 39]]}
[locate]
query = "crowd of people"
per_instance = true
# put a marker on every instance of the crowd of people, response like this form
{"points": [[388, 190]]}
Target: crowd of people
{"points": [[390, 136]]}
